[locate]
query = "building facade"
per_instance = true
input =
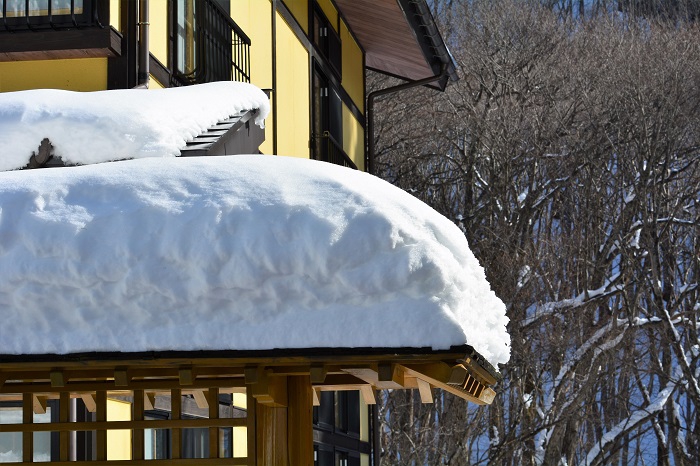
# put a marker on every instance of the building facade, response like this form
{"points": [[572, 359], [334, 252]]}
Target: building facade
{"points": [[311, 57]]}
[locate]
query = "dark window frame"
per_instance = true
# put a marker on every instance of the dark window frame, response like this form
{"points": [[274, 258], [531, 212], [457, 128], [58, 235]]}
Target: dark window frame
{"points": [[95, 14]]}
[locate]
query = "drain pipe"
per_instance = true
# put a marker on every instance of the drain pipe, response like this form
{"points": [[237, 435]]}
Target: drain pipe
{"points": [[144, 69], [369, 161]]}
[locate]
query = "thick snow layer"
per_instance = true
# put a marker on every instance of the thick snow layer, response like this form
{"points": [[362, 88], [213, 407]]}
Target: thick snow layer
{"points": [[239, 253], [93, 127]]}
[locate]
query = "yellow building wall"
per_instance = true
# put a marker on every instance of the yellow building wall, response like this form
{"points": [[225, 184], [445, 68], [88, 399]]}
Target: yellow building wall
{"points": [[330, 12], [114, 17], [293, 107], [118, 441], [82, 74], [353, 79], [353, 138], [255, 18], [158, 30], [300, 11]]}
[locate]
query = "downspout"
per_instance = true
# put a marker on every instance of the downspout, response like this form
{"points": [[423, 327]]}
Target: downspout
{"points": [[274, 76], [369, 163], [144, 66]]}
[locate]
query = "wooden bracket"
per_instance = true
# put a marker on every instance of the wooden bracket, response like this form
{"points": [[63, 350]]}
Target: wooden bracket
{"points": [[201, 399], [149, 401], [269, 390], [57, 379], [318, 374], [316, 396], [90, 401], [425, 391], [121, 377], [368, 395], [186, 376], [39, 404]]}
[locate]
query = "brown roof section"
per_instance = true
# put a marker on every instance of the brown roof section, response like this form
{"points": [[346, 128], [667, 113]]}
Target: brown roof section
{"points": [[398, 36]]}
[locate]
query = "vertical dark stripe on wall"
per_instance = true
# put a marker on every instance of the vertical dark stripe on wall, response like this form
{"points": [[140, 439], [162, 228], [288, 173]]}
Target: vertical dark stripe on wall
{"points": [[274, 76]]}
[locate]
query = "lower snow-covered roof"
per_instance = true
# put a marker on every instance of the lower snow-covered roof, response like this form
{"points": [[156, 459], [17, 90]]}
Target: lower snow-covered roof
{"points": [[94, 127], [233, 253]]}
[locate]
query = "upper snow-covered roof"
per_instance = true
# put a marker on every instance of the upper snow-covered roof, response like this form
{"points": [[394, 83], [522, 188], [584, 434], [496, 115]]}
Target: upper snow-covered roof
{"points": [[93, 127], [233, 253]]}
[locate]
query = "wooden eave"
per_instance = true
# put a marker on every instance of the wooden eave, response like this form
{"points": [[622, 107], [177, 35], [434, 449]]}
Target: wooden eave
{"points": [[393, 43], [90, 42], [457, 370]]}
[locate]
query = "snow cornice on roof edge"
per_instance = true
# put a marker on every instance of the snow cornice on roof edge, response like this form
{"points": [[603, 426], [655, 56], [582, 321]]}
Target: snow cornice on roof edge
{"points": [[92, 127]]}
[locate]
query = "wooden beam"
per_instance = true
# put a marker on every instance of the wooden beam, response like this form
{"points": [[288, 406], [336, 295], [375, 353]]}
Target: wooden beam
{"points": [[439, 374], [89, 401], [425, 391], [193, 423], [39, 404], [368, 395]]}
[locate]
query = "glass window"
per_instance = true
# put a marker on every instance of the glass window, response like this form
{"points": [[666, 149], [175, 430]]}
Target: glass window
{"points": [[17, 8], [11, 442]]}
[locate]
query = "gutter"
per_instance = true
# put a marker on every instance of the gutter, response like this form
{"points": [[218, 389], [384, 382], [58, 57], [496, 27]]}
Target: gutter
{"points": [[143, 63], [369, 161]]}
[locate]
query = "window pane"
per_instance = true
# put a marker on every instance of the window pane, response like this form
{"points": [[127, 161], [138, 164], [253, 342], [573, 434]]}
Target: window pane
{"points": [[11, 442], [16, 8]]}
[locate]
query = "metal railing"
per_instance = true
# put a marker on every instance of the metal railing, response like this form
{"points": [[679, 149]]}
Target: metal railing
{"points": [[23, 15], [329, 150], [221, 48]]}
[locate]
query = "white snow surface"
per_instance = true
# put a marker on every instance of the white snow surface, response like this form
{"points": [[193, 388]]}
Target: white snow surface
{"points": [[233, 253], [93, 127]]}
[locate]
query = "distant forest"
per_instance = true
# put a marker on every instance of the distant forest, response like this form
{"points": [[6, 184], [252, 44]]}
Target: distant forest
{"points": [[569, 154]]}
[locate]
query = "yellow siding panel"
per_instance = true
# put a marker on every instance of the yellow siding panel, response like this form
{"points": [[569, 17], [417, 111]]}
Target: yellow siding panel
{"points": [[330, 12], [255, 18], [292, 93], [300, 11], [158, 29], [83, 74], [353, 68], [114, 18], [353, 138], [118, 441], [154, 84]]}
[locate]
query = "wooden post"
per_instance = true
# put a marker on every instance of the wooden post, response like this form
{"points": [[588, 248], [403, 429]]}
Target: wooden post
{"points": [[213, 398], [64, 417], [101, 434], [176, 413], [300, 421], [27, 437], [137, 435], [271, 434]]}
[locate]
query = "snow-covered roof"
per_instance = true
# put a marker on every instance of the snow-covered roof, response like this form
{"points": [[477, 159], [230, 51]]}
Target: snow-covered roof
{"points": [[233, 253], [93, 127]]}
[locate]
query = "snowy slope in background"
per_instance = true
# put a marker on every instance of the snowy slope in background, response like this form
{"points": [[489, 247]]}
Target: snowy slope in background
{"points": [[241, 253], [93, 127]]}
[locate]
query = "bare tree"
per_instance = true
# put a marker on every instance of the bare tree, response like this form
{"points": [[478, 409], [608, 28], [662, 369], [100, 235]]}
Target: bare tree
{"points": [[569, 154]]}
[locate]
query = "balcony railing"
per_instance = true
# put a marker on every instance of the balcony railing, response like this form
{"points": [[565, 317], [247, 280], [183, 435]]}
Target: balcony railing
{"points": [[329, 150], [210, 46], [37, 15]]}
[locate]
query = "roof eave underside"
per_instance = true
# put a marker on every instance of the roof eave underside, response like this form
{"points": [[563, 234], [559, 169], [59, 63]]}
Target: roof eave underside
{"points": [[279, 356], [400, 38]]}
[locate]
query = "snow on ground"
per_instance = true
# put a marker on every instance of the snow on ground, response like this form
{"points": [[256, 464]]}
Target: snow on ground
{"points": [[240, 253], [93, 127]]}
